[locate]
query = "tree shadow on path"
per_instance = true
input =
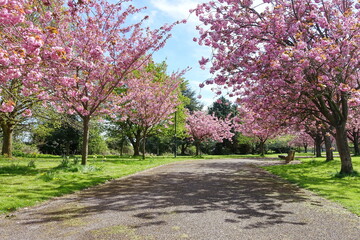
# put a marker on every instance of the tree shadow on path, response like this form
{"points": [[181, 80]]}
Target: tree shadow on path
{"points": [[239, 190]]}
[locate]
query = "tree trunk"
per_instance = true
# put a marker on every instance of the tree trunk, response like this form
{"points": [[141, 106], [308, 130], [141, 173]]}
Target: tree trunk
{"points": [[305, 148], [85, 146], [197, 145], [122, 147], [328, 148], [175, 147], [135, 142], [8, 130], [318, 141], [158, 147], [183, 149], [67, 148], [262, 148], [343, 148], [356, 143], [314, 150], [136, 146], [143, 147]]}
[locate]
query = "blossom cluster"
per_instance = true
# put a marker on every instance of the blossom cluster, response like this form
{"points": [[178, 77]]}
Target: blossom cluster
{"points": [[283, 53], [150, 101], [205, 127]]}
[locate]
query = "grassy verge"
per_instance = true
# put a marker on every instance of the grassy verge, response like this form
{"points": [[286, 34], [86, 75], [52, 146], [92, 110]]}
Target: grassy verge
{"points": [[28, 181], [321, 177]]}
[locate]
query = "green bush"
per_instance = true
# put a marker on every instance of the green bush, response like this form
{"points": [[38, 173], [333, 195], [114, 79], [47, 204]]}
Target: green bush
{"points": [[21, 149]]}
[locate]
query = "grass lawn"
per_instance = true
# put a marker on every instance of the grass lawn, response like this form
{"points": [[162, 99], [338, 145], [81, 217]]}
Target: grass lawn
{"points": [[321, 177], [22, 185]]}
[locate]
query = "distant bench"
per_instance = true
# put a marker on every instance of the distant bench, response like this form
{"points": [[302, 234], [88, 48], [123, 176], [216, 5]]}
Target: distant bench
{"points": [[289, 157]]}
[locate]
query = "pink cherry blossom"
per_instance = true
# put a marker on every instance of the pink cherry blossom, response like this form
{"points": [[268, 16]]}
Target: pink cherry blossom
{"points": [[7, 107], [93, 58], [291, 58], [150, 102], [204, 127], [27, 113]]}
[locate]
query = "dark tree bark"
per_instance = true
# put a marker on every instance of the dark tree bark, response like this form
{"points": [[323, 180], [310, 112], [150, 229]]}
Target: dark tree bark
{"points": [[328, 148], [356, 144], [143, 146], [197, 145], [343, 148], [85, 146], [8, 130], [305, 147], [335, 109], [135, 138], [158, 147], [122, 147], [184, 146], [262, 148], [353, 135], [136, 146], [318, 140]]}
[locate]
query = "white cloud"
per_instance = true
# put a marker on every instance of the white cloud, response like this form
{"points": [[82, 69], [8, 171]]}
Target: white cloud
{"points": [[150, 21], [173, 10], [177, 9]]}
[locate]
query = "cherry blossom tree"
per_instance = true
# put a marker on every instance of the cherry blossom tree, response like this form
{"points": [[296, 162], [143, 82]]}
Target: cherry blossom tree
{"points": [[223, 108], [98, 47], [321, 134], [353, 130], [257, 126], [24, 29], [301, 139], [151, 99], [204, 127], [292, 56]]}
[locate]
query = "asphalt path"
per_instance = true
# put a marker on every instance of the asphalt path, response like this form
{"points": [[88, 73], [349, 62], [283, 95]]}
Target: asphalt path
{"points": [[203, 199]]}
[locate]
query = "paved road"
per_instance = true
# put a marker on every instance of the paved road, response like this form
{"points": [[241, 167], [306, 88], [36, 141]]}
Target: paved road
{"points": [[206, 199]]}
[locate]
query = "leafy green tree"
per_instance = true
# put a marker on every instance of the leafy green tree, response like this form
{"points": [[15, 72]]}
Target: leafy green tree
{"points": [[190, 103], [63, 140], [245, 144], [125, 131], [59, 135], [223, 108], [190, 100], [97, 143]]}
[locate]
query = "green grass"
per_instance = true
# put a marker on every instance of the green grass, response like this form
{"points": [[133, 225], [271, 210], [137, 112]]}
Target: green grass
{"points": [[322, 178], [28, 181], [22, 185]]}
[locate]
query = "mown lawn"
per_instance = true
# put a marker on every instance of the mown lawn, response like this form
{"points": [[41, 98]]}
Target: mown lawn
{"points": [[322, 178], [22, 185]]}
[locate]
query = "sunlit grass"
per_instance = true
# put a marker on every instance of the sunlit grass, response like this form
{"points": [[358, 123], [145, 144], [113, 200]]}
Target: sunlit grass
{"points": [[21, 185], [322, 178]]}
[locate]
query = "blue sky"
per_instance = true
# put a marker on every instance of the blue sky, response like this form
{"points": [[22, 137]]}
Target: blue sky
{"points": [[180, 51]]}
